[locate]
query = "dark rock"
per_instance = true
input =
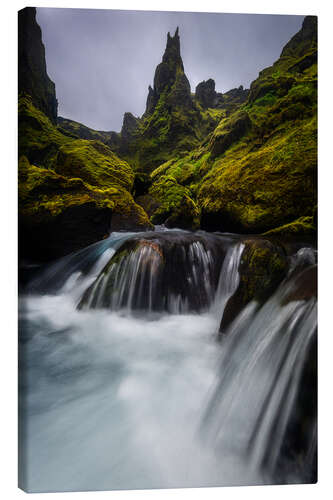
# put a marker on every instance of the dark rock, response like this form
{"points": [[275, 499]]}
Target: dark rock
{"points": [[304, 287], [32, 75], [232, 99], [299, 446], [152, 99], [162, 270], [170, 77], [74, 228], [130, 127], [205, 93], [180, 93], [149, 203], [142, 183], [129, 221], [263, 266], [166, 71], [304, 40]]}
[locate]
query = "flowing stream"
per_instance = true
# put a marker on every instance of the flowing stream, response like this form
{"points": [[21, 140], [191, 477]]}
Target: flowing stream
{"points": [[123, 384]]}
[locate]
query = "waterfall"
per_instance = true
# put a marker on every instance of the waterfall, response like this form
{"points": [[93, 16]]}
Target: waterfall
{"points": [[265, 353], [158, 274], [229, 277], [123, 383]]}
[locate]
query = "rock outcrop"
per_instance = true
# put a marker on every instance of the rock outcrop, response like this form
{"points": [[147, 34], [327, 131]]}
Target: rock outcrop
{"points": [[32, 75], [173, 121], [170, 77], [265, 156], [207, 96], [72, 191], [263, 266], [243, 161]]}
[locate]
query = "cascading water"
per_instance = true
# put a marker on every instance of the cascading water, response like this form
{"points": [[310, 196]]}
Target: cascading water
{"points": [[124, 385], [175, 273]]}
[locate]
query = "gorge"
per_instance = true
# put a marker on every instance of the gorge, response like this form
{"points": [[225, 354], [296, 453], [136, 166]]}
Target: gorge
{"points": [[168, 293]]}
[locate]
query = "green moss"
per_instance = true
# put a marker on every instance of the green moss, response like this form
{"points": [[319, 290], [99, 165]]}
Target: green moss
{"points": [[174, 205], [263, 265], [187, 170], [257, 170], [261, 189], [262, 268], [303, 226], [171, 130], [265, 177], [45, 146], [95, 163], [79, 131], [57, 172]]}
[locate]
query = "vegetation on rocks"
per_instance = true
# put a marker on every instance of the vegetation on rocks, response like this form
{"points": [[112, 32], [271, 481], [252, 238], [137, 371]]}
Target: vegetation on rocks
{"points": [[243, 161], [263, 266], [32, 76], [175, 121], [77, 130], [173, 204], [58, 214], [72, 191], [258, 168]]}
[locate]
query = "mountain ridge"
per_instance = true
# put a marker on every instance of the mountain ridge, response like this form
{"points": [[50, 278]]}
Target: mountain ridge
{"points": [[240, 161]]}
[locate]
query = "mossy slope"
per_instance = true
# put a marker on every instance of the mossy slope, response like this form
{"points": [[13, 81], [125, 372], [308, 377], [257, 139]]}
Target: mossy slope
{"points": [[72, 192], [175, 121], [257, 170]]}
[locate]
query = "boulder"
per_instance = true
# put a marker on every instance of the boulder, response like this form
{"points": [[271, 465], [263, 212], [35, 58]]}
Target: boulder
{"points": [[263, 266], [205, 93]]}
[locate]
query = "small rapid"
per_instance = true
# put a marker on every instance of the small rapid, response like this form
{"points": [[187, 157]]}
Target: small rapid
{"points": [[123, 384]]}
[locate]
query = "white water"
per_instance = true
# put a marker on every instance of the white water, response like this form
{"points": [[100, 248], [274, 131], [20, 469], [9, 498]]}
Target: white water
{"points": [[111, 401]]}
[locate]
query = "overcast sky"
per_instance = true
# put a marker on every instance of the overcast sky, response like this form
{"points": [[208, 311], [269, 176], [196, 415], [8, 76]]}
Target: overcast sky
{"points": [[102, 61]]}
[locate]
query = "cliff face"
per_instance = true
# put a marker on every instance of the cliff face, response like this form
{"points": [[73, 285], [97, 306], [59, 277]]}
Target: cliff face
{"points": [[32, 75], [242, 161], [174, 119], [72, 191], [257, 171], [206, 94], [170, 78], [174, 122]]}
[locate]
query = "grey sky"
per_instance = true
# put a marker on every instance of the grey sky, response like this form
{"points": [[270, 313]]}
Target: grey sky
{"points": [[102, 61]]}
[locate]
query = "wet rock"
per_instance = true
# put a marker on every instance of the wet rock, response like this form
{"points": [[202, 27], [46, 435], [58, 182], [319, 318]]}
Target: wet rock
{"points": [[263, 266], [304, 287], [44, 238], [172, 272]]}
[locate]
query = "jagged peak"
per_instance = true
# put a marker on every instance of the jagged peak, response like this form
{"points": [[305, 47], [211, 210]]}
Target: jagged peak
{"points": [[32, 72], [176, 35], [304, 40], [172, 50]]}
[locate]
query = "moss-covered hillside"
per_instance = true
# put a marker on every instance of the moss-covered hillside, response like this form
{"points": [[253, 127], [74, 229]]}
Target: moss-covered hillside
{"points": [[243, 161], [72, 191], [257, 171], [175, 120]]}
